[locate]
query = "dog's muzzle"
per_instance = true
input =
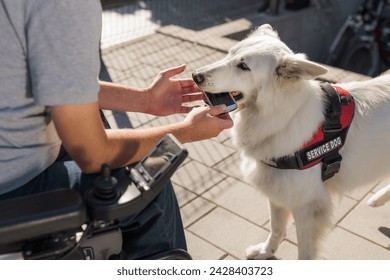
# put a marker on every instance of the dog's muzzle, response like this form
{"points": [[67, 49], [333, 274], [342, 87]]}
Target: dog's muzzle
{"points": [[199, 79]]}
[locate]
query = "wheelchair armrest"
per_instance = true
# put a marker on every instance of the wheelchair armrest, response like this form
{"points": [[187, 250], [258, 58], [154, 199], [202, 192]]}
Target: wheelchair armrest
{"points": [[40, 214]]}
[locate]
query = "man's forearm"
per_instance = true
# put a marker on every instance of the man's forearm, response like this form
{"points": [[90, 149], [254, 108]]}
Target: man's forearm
{"points": [[122, 98], [131, 145], [83, 135]]}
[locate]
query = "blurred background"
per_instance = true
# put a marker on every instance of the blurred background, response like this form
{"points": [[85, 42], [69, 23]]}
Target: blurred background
{"points": [[329, 31]]}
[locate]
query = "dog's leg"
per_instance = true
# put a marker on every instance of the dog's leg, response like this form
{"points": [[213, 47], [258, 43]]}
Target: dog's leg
{"points": [[266, 250], [380, 197], [311, 222]]}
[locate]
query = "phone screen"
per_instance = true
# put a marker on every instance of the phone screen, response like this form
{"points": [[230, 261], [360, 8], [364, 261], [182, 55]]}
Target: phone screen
{"points": [[222, 98], [159, 158]]}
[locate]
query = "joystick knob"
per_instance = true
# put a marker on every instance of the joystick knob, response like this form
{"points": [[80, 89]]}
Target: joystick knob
{"points": [[104, 185]]}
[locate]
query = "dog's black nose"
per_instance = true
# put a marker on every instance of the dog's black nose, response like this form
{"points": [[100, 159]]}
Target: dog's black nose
{"points": [[198, 78]]}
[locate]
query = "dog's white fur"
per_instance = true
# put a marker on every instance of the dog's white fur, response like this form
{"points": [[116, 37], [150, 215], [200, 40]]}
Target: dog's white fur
{"points": [[282, 107]]}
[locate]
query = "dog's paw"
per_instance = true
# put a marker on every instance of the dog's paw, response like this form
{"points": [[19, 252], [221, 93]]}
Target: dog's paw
{"points": [[259, 252], [380, 197], [375, 201]]}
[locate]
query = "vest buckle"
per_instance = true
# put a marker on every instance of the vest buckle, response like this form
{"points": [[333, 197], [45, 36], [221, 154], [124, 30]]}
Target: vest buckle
{"points": [[330, 166]]}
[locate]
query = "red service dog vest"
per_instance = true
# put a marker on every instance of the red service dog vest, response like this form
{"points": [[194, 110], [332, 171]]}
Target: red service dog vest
{"points": [[329, 138]]}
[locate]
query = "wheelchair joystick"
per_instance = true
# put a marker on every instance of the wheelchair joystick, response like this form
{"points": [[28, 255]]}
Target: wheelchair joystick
{"points": [[104, 192], [104, 185]]}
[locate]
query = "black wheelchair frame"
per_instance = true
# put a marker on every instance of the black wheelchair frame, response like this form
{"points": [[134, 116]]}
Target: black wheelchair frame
{"points": [[63, 224]]}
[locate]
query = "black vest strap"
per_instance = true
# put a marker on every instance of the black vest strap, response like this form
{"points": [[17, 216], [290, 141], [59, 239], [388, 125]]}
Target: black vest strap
{"points": [[333, 109], [331, 128], [300, 159]]}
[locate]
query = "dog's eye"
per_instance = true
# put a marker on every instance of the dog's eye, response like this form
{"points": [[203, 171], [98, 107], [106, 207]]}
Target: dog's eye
{"points": [[243, 66]]}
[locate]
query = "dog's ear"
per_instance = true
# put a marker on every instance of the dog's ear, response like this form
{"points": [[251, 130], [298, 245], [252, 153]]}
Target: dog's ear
{"points": [[264, 29], [296, 67]]}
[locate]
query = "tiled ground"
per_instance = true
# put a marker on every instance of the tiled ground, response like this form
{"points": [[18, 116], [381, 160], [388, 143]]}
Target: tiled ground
{"points": [[222, 214]]}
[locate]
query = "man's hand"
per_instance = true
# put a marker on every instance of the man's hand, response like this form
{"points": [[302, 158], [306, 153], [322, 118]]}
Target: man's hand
{"points": [[167, 96], [205, 122]]}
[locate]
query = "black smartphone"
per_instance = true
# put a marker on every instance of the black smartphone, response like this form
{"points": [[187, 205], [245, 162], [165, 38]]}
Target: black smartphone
{"points": [[158, 165], [226, 98]]}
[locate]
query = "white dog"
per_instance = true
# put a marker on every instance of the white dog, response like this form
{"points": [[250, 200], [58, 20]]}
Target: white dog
{"points": [[281, 106]]}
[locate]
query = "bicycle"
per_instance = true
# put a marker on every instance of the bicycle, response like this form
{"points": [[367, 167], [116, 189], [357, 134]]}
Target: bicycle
{"points": [[362, 44]]}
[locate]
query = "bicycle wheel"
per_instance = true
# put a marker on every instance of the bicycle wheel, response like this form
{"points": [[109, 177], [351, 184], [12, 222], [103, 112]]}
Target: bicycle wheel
{"points": [[362, 57], [338, 47]]}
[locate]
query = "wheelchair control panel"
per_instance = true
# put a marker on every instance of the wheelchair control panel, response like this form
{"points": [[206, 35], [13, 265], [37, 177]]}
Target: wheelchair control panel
{"points": [[111, 199]]}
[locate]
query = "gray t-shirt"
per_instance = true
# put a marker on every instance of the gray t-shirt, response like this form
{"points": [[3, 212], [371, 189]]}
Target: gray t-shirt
{"points": [[49, 55]]}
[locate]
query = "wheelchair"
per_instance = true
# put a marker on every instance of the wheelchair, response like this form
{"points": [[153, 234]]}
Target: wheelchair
{"points": [[65, 225]]}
